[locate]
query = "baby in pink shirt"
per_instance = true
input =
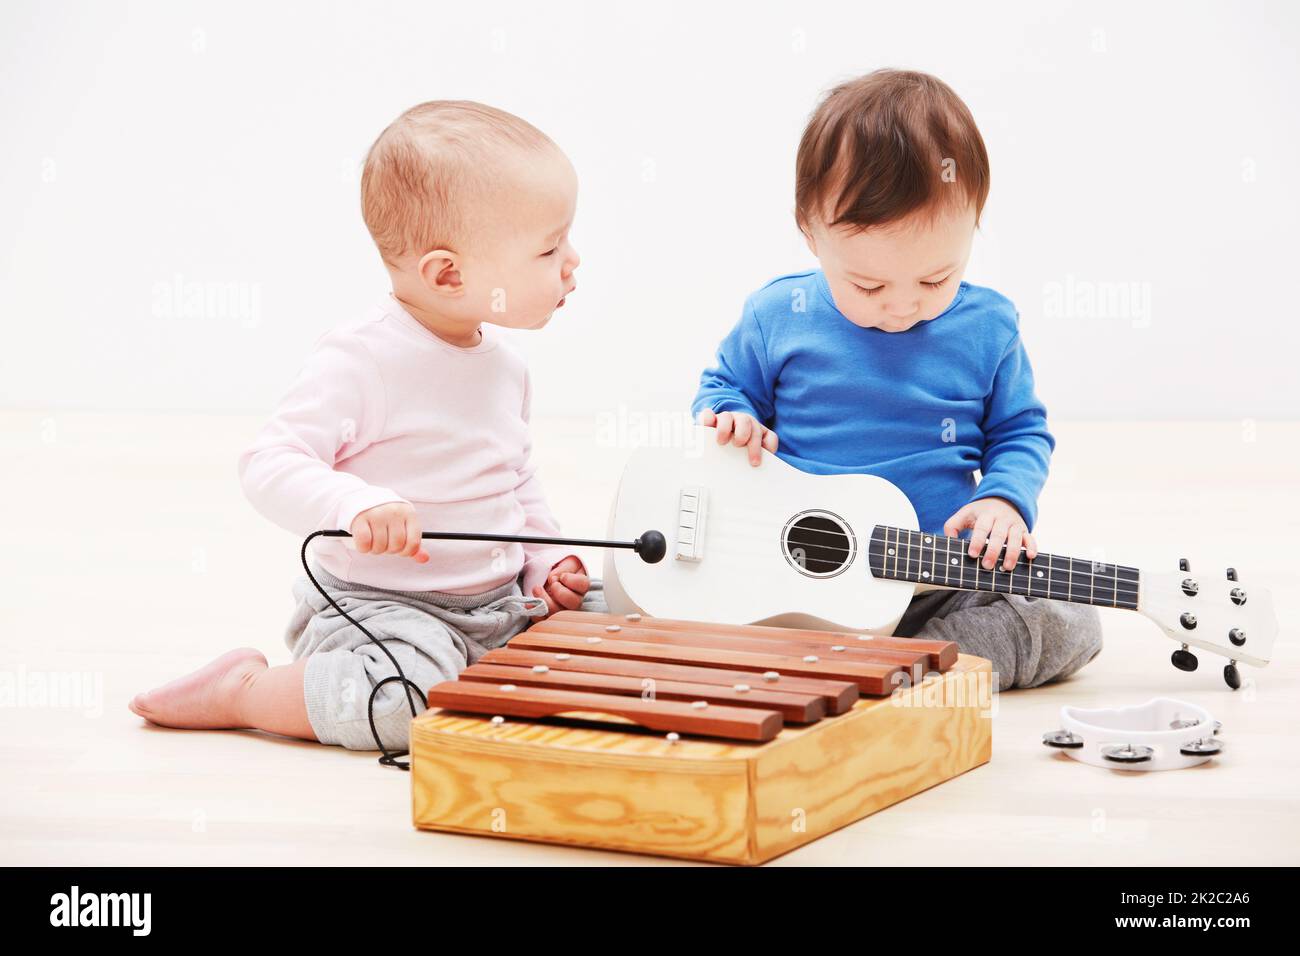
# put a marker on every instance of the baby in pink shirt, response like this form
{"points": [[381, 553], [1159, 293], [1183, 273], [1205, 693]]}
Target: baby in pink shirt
{"points": [[415, 418]]}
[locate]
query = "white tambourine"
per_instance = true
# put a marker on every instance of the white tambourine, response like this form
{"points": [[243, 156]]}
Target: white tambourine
{"points": [[1162, 734]]}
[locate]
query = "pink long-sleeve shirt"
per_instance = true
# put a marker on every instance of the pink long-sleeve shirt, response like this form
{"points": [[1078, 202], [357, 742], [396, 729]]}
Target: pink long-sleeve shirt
{"points": [[386, 411]]}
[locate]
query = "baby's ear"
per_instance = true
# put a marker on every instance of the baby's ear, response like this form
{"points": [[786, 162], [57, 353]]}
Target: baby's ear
{"points": [[808, 238], [439, 270]]}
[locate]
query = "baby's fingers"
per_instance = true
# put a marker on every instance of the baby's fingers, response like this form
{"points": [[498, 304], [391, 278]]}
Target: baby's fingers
{"points": [[979, 535], [744, 427], [724, 426], [997, 538], [396, 535], [379, 537], [551, 606], [964, 518], [708, 418], [362, 535], [570, 600], [575, 581], [770, 440], [414, 542], [1014, 538]]}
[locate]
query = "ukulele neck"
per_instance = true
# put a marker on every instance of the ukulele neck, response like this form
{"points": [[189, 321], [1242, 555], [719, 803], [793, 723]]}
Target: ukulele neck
{"points": [[934, 559]]}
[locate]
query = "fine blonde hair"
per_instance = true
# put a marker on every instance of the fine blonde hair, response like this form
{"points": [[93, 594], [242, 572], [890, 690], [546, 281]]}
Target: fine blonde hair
{"points": [[425, 172]]}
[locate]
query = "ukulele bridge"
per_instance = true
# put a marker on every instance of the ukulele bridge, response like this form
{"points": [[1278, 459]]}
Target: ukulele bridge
{"points": [[690, 523]]}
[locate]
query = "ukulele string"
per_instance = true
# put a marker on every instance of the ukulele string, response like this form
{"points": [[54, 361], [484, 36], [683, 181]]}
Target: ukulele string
{"points": [[743, 513], [1055, 571], [755, 516], [1051, 562]]}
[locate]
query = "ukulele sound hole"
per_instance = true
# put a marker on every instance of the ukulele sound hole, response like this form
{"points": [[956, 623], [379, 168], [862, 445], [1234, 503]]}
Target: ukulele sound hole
{"points": [[818, 544]]}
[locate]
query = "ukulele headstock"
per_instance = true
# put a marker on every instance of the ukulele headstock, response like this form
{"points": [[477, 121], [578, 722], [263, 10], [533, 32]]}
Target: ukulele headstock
{"points": [[1218, 613]]}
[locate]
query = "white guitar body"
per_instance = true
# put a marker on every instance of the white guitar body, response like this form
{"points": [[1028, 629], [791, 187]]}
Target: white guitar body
{"points": [[735, 534], [742, 574]]}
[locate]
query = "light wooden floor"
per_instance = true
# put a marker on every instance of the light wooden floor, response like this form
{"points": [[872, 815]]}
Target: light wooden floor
{"points": [[131, 557]]}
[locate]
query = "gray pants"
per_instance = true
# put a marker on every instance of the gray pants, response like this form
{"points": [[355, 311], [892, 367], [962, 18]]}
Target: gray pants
{"points": [[1030, 641], [433, 636]]}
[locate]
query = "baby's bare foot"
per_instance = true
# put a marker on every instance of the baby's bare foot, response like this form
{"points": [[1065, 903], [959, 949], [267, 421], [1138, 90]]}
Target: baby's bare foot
{"points": [[208, 698]]}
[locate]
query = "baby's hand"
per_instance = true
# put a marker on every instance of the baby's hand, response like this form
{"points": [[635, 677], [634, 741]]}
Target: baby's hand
{"points": [[743, 431], [565, 586], [389, 529], [995, 522]]}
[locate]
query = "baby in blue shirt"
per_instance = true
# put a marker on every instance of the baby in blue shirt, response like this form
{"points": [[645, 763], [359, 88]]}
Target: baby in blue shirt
{"points": [[885, 362]]}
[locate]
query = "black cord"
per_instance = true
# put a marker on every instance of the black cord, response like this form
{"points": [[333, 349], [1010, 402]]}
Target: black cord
{"points": [[389, 758], [650, 546]]}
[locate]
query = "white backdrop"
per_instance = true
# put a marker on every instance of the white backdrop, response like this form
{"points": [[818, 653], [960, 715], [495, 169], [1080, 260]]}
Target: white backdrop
{"points": [[178, 186]]}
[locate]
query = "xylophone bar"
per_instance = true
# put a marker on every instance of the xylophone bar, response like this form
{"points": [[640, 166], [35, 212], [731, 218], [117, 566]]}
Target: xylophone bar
{"points": [[942, 654], [795, 708], [913, 661], [877, 680], [838, 696], [710, 720]]}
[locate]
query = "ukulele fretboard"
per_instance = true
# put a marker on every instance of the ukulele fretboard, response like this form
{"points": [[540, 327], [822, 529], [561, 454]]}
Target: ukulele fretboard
{"points": [[936, 559]]}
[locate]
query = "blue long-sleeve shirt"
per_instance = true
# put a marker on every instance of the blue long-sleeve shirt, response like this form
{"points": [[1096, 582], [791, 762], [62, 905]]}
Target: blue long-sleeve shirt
{"points": [[923, 409]]}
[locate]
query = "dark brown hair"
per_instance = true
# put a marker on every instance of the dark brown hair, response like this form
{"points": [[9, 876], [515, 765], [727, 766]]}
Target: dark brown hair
{"points": [[886, 145]]}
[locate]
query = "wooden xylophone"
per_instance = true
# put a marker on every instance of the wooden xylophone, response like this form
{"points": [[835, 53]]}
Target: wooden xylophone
{"points": [[725, 743], [707, 680]]}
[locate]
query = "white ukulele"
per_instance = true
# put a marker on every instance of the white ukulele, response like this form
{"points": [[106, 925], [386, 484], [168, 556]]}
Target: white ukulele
{"points": [[775, 545]]}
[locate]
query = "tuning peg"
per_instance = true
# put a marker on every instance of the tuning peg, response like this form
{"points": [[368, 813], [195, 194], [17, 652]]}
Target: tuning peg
{"points": [[1232, 676], [1238, 596], [1237, 636], [1190, 587], [1183, 565], [1184, 659], [1232, 574]]}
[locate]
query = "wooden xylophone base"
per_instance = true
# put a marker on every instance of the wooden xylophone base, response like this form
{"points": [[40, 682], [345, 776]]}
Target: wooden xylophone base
{"points": [[721, 801]]}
